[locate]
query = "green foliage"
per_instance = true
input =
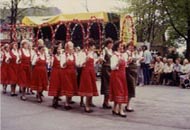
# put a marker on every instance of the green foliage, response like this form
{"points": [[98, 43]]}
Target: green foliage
{"points": [[155, 17]]}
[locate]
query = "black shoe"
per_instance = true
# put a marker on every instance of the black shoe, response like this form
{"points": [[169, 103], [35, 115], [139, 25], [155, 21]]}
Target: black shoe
{"points": [[129, 110], [54, 102], [92, 105], [115, 113], [15, 94], [122, 115], [4, 92], [88, 111], [71, 102], [67, 107], [106, 106]]}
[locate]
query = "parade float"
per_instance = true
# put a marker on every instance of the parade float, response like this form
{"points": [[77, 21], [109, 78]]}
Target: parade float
{"points": [[75, 27]]}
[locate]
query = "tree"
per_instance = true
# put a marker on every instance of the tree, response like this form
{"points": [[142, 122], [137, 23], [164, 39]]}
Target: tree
{"points": [[15, 12], [178, 12], [156, 17], [148, 15]]}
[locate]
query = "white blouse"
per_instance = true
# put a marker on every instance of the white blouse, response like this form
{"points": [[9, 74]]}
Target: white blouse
{"points": [[84, 56], [8, 56], [64, 59], [16, 53], [37, 57], [115, 60], [129, 55], [26, 52], [33, 53]]}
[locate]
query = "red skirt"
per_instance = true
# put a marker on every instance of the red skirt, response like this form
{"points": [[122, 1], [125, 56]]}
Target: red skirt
{"points": [[118, 87], [39, 81], [55, 82], [68, 82], [13, 70], [24, 75], [88, 83], [4, 73]]}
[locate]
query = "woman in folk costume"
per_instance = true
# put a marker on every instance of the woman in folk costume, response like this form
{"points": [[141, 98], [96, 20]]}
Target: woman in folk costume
{"points": [[105, 76], [118, 85], [33, 52], [79, 54], [24, 68], [5, 67], [131, 74], [14, 67], [88, 86], [55, 77], [68, 74], [39, 81]]}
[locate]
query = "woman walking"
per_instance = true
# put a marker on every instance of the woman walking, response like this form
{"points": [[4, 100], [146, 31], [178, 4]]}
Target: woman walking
{"points": [[55, 77], [24, 68], [118, 85], [14, 68], [88, 86], [5, 67], [68, 74], [39, 80]]}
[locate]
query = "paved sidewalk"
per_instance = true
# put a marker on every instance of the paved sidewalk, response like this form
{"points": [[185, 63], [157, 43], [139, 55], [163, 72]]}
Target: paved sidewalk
{"points": [[156, 108]]}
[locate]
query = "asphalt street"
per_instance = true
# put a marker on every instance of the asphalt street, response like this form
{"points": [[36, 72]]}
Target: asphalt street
{"points": [[156, 108]]}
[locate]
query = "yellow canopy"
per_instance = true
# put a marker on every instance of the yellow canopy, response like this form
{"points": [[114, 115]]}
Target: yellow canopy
{"points": [[39, 20]]}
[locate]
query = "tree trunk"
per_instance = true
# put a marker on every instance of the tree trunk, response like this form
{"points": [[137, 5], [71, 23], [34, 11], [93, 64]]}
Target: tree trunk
{"points": [[187, 54], [12, 20]]}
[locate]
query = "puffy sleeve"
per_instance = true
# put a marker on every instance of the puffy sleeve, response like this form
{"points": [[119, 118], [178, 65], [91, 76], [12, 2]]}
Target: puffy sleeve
{"points": [[34, 59], [18, 58], [114, 62], [125, 56], [33, 53], [1, 57], [62, 60], [96, 57], [8, 56]]}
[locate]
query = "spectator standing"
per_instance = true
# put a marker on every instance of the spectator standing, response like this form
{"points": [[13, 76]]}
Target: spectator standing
{"points": [[176, 72], [147, 60]]}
